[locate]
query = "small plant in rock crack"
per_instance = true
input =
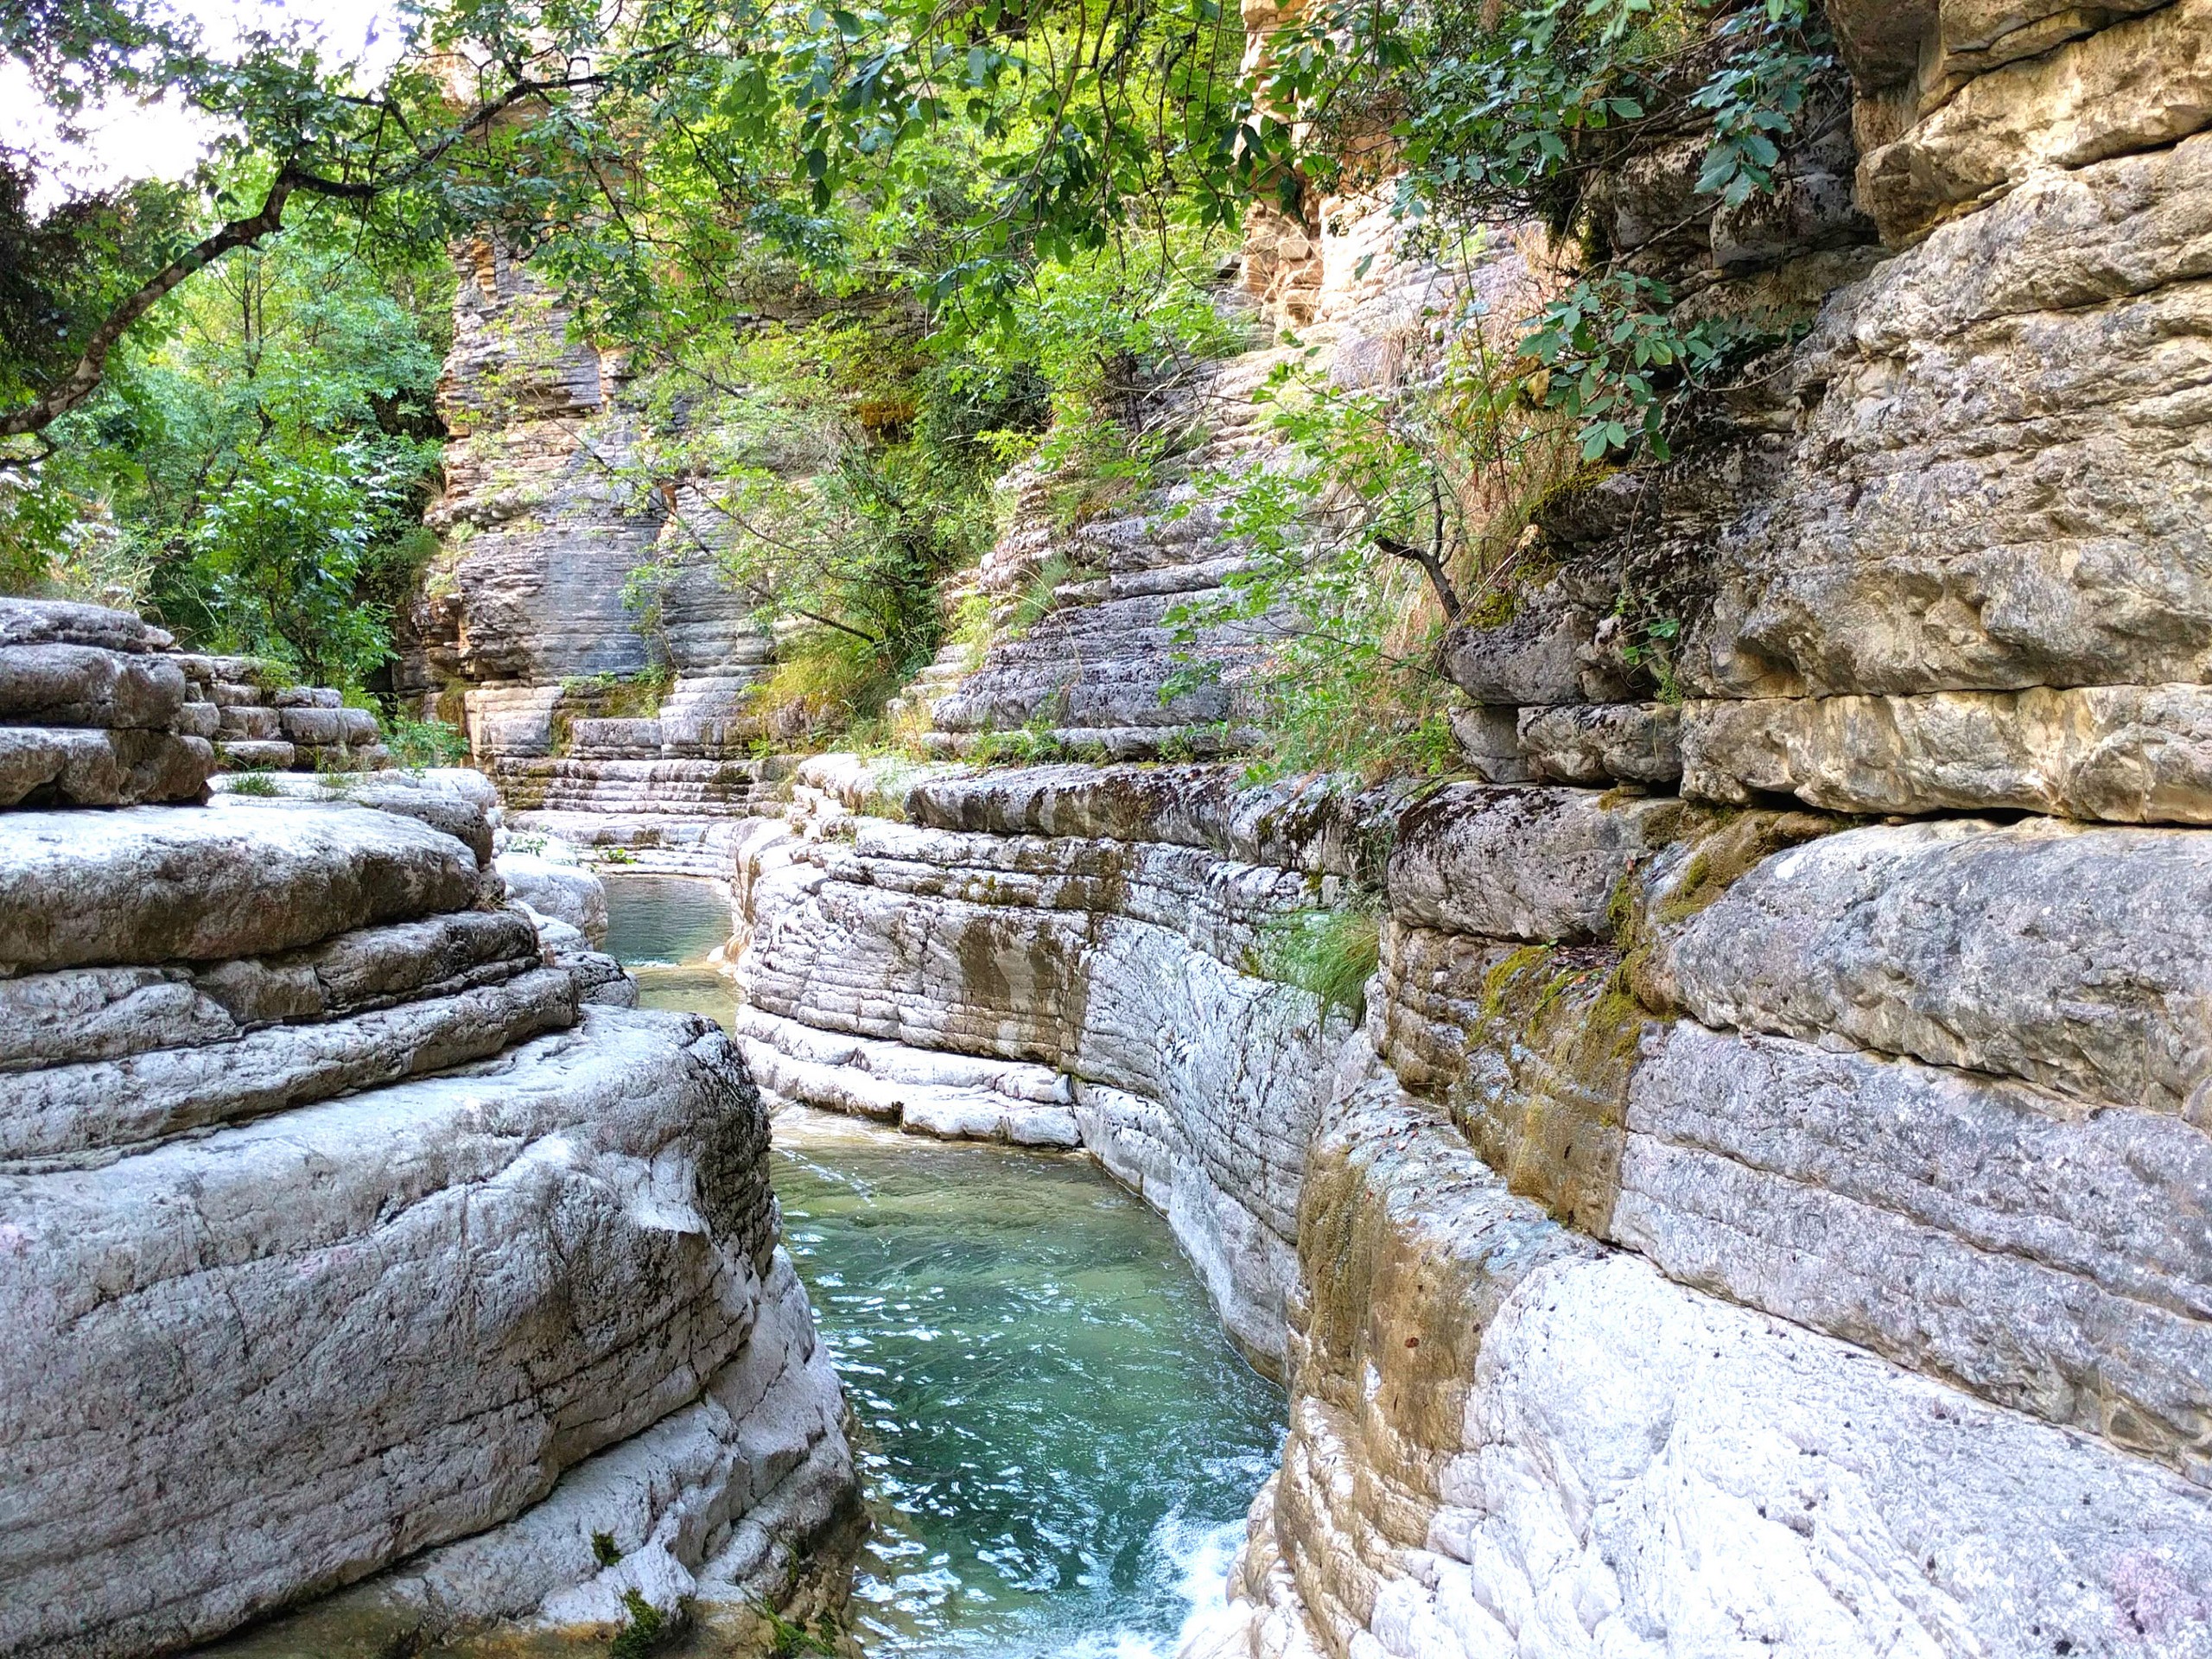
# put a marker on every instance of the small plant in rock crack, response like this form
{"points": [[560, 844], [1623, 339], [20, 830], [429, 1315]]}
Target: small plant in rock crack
{"points": [[789, 1639], [1331, 953], [256, 782], [648, 1628], [604, 1550]]}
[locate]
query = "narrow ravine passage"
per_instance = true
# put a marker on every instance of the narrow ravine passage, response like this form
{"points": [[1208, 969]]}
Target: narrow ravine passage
{"points": [[1058, 1442]]}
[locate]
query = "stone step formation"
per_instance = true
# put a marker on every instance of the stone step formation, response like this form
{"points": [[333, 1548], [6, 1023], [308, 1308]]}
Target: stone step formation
{"points": [[362, 1257]]}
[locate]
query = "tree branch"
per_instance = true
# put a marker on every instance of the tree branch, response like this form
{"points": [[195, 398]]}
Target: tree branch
{"points": [[85, 376], [1428, 562]]}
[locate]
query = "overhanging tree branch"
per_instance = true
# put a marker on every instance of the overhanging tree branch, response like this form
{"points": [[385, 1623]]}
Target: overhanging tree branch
{"points": [[84, 377]]}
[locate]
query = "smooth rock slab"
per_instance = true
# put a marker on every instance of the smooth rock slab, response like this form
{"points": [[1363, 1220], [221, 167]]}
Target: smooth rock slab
{"points": [[68, 766], [2050, 1260], [462, 803], [83, 685], [75, 1014], [64, 622], [247, 1368], [951, 1096], [2127, 754], [1588, 1458], [70, 1113], [2070, 957], [237, 879], [709, 1506]]}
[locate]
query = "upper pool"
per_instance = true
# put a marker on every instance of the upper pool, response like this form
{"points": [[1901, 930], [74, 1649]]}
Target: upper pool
{"points": [[1058, 1441]]}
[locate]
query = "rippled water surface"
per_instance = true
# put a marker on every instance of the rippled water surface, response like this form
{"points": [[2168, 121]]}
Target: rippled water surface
{"points": [[1058, 1442]]}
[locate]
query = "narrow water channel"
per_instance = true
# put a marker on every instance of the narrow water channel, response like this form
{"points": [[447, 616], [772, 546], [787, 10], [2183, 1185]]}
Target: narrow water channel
{"points": [[1058, 1441]]}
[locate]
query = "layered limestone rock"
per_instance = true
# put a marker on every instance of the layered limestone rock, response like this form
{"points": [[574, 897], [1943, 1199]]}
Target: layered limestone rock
{"points": [[1740, 1226], [1057, 955], [1099, 608], [344, 1232], [1942, 554], [92, 710], [574, 622]]}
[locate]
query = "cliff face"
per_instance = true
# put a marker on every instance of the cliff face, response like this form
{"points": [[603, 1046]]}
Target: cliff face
{"points": [[1735, 1221], [528, 623], [348, 1236]]}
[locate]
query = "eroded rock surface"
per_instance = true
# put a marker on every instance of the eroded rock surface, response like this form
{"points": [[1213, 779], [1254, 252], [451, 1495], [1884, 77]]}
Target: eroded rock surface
{"points": [[341, 1221]]}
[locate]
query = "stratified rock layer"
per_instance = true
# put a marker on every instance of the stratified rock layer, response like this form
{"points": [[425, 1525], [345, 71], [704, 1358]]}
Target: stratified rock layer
{"points": [[340, 1220]]}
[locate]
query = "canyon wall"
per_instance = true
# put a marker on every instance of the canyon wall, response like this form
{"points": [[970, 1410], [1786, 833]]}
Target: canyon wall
{"points": [[573, 622], [352, 1234], [1762, 1204], [1759, 1202]]}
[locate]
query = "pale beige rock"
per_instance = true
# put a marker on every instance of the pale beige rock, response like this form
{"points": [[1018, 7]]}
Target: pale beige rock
{"points": [[1998, 478], [2138, 84], [241, 878], [2067, 957], [63, 766], [2127, 753]]}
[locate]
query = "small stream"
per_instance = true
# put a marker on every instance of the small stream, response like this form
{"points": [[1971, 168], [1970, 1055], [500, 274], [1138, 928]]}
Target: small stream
{"points": [[1058, 1442]]}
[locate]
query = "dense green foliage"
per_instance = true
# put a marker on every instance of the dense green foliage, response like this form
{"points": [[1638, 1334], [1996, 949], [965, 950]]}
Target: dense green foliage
{"points": [[255, 476], [863, 259]]}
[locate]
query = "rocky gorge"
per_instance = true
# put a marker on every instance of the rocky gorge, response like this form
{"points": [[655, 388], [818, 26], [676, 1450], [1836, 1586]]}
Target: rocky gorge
{"points": [[1758, 1201], [1761, 1203]]}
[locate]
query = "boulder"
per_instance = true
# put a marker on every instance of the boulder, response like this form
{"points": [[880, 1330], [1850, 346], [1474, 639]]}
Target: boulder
{"points": [[252, 1366], [567, 892], [69, 766], [84, 685], [241, 878]]}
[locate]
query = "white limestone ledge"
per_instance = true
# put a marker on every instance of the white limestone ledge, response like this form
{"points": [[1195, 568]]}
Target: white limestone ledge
{"points": [[923, 1091]]}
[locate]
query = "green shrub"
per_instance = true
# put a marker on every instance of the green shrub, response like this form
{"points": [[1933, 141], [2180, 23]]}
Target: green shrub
{"points": [[418, 743]]}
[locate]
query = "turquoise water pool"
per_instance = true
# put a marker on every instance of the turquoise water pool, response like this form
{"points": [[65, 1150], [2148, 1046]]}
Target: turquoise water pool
{"points": [[1059, 1443]]}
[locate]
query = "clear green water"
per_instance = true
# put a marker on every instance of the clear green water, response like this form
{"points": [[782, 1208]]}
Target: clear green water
{"points": [[1059, 1443]]}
